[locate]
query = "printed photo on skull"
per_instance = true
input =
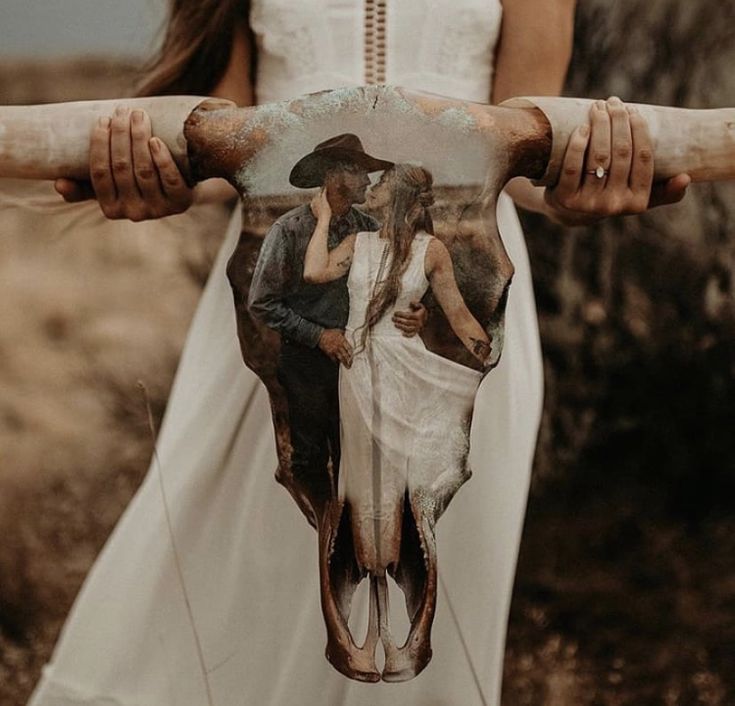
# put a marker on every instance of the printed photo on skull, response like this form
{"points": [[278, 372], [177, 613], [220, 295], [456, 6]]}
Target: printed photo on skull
{"points": [[363, 306]]}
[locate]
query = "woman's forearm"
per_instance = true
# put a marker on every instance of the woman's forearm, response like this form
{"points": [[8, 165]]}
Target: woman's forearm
{"points": [[316, 261], [534, 49], [444, 286], [470, 332], [532, 59]]}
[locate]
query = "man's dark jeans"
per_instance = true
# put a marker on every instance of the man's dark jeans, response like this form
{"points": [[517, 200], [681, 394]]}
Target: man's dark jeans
{"points": [[311, 382]]}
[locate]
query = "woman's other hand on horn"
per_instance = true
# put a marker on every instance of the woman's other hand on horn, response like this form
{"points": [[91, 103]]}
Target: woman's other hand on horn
{"points": [[133, 174], [608, 169]]}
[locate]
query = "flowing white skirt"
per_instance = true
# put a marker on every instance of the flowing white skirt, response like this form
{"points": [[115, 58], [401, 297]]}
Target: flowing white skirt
{"points": [[219, 603], [404, 414]]}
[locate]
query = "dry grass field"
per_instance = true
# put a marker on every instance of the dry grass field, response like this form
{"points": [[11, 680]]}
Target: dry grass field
{"points": [[89, 309]]}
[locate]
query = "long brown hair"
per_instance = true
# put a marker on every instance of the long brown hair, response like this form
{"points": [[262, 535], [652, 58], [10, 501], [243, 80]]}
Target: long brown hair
{"points": [[196, 47], [405, 215]]}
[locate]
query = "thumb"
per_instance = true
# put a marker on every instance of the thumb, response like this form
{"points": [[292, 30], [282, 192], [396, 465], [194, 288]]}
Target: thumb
{"points": [[74, 191], [670, 191], [415, 306]]}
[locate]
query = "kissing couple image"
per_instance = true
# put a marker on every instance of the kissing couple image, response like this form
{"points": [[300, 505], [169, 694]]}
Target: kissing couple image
{"points": [[377, 421]]}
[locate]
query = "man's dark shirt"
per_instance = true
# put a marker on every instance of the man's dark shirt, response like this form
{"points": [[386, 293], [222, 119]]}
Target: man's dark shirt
{"points": [[278, 294]]}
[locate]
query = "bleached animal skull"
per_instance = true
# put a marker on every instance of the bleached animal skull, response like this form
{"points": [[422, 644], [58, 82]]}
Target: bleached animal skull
{"points": [[383, 528], [253, 148], [391, 533], [386, 527]]}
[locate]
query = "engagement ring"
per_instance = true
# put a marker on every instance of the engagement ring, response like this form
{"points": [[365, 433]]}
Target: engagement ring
{"points": [[599, 172]]}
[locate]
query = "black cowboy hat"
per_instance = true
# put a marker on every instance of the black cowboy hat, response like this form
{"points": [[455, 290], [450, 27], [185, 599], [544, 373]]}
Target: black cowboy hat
{"points": [[310, 170]]}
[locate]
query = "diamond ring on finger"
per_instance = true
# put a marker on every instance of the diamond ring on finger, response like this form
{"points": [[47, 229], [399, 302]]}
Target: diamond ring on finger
{"points": [[600, 172]]}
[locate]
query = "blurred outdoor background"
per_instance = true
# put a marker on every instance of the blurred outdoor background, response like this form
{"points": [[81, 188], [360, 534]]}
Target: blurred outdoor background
{"points": [[626, 583]]}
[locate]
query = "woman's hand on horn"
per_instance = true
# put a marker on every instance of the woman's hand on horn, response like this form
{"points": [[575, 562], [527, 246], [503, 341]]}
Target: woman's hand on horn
{"points": [[608, 169], [133, 174]]}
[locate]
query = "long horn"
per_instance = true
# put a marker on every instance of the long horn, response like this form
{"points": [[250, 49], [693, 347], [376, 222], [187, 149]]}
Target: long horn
{"points": [[525, 136], [209, 138], [698, 142], [51, 141]]}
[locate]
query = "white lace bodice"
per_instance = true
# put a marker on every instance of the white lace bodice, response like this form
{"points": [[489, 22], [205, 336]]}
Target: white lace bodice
{"points": [[368, 263], [440, 46]]}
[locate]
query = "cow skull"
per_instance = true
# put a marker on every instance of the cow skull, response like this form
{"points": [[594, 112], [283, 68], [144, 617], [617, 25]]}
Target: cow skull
{"points": [[388, 535], [383, 528]]}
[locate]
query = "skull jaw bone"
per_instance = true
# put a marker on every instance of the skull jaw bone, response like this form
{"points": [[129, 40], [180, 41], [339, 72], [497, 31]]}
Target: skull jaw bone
{"points": [[415, 571]]}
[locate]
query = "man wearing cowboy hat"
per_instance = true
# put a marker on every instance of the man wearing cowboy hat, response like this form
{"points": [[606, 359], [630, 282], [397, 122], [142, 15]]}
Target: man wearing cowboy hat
{"points": [[311, 317]]}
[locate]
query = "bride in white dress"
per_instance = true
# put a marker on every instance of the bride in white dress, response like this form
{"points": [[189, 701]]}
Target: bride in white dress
{"points": [[207, 591], [404, 410]]}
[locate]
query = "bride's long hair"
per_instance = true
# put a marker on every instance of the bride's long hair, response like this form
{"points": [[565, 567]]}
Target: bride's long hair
{"points": [[196, 47], [406, 213]]}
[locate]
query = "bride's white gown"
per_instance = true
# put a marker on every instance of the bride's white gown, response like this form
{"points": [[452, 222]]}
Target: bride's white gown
{"points": [[404, 410], [225, 608]]}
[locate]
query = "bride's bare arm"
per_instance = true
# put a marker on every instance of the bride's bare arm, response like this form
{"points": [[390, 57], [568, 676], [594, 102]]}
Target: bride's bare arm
{"points": [[534, 50], [320, 263], [440, 272]]}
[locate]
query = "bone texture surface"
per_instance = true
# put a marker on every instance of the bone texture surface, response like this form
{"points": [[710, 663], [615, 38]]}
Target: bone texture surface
{"points": [[51, 141], [698, 142]]}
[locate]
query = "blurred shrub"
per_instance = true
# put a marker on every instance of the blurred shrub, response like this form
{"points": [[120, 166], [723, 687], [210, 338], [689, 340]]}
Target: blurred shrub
{"points": [[638, 314]]}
